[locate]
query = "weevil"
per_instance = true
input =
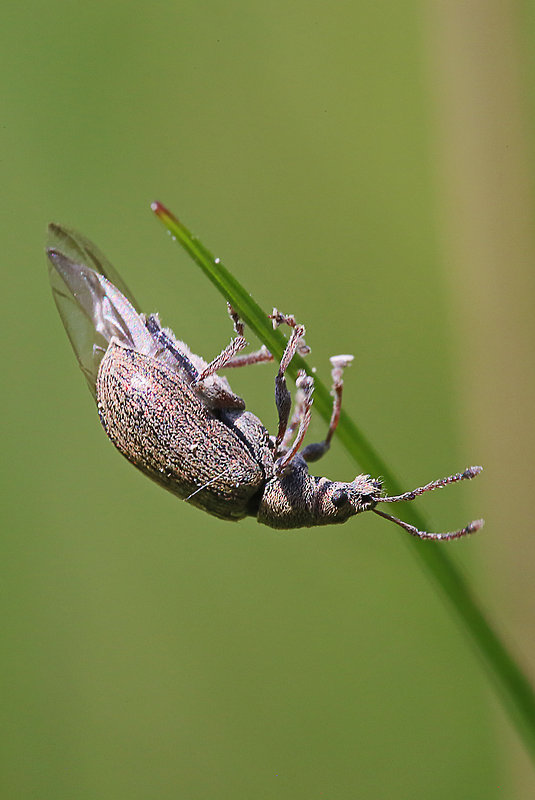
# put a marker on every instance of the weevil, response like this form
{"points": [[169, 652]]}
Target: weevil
{"points": [[173, 416]]}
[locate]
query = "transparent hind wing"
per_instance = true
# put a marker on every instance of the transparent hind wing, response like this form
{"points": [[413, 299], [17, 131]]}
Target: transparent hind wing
{"points": [[92, 308], [81, 250], [89, 346]]}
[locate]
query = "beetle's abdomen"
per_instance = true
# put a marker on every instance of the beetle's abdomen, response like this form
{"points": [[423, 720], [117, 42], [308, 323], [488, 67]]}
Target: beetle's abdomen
{"points": [[159, 424]]}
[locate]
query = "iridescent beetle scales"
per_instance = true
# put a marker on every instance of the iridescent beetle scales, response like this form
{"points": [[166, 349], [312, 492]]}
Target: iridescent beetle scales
{"points": [[145, 409]]}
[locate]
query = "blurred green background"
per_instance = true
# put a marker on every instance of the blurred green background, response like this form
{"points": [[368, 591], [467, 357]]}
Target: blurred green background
{"points": [[368, 167]]}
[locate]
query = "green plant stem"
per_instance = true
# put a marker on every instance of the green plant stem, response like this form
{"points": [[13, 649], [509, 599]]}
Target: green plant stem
{"points": [[513, 687]]}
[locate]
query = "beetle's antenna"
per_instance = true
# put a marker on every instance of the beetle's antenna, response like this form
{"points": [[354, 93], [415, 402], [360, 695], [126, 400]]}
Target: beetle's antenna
{"points": [[206, 484], [468, 474], [471, 528]]}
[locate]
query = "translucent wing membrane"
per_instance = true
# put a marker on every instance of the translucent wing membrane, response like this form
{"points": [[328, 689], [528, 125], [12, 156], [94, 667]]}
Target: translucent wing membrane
{"points": [[92, 306], [95, 306], [80, 250]]}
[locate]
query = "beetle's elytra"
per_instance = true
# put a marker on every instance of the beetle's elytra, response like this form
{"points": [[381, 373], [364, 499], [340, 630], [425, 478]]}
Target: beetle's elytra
{"points": [[176, 419]]}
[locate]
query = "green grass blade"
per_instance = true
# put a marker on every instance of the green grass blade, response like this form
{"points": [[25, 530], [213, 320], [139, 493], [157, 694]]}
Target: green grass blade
{"points": [[512, 685]]}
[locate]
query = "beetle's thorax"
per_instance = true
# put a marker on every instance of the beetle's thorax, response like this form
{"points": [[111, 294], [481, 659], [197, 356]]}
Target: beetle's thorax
{"points": [[298, 499]]}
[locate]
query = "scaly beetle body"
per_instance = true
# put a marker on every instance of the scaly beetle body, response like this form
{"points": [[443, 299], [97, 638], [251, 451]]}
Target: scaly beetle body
{"points": [[176, 419]]}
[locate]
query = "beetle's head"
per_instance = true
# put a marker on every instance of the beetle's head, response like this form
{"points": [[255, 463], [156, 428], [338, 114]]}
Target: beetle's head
{"points": [[338, 501]]}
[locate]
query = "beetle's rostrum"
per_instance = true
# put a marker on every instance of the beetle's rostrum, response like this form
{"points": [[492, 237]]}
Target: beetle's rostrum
{"points": [[171, 414]]}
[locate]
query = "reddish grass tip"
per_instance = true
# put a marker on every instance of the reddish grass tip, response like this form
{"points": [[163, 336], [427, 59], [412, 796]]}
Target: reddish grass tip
{"points": [[158, 208], [162, 212]]}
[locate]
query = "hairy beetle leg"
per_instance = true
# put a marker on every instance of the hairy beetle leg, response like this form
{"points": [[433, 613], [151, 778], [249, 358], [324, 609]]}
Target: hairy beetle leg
{"points": [[260, 356], [226, 355], [298, 412], [229, 357], [314, 451], [278, 318], [305, 385], [283, 399], [305, 388]]}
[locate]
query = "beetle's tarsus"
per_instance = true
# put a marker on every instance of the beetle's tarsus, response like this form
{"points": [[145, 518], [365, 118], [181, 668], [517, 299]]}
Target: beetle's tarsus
{"points": [[278, 318]]}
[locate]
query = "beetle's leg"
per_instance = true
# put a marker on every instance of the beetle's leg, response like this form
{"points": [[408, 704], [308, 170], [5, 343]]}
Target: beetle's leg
{"points": [[278, 318], [314, 451], [226, 355], [228, 358], [306, 387], [299, 410], [283, 398], [245, 359], [260, 356]]}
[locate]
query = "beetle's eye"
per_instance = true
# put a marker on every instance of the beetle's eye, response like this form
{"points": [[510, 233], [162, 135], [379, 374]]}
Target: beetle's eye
{"points": [[366, 498], [339, 498]]}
